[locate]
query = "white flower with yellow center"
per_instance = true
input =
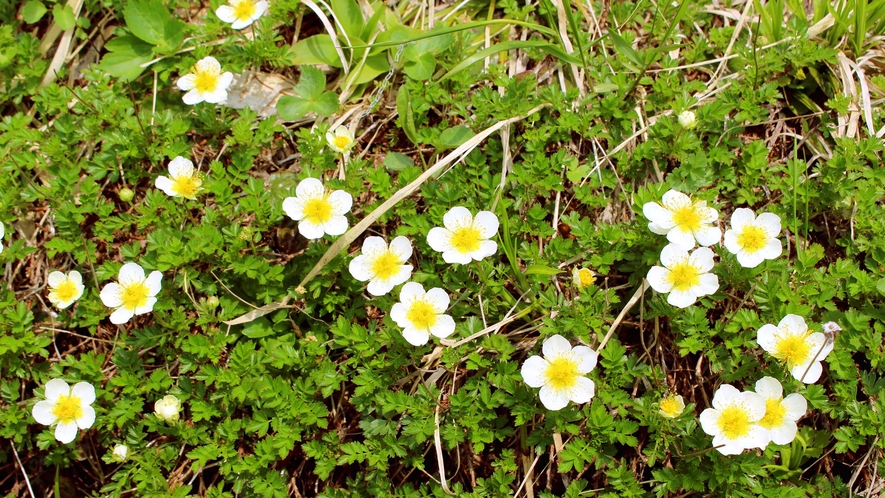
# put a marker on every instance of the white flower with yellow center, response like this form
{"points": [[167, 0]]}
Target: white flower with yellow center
{"points": [[781, 413], [560, 373], [342, 139], [183, 181], [317, 211], [687, 119], [682, 220], [241, 13], [734, 420], [168, 408], [382, 265], [69, 407], [205, 83], [65, 289], [421, 314], [583, 277], [465, 238], [685, 277], [753, 239], [133, 294], [671, 406], [792, 343]]}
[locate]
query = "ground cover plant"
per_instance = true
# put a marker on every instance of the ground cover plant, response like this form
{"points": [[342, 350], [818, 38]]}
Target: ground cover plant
{"points": [[412, 249]]}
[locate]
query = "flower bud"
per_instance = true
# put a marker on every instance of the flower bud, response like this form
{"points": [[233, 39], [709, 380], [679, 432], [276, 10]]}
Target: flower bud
{"points": [[168, 408], [687, 120], [126, 194], [121, 453], [212, 302]]}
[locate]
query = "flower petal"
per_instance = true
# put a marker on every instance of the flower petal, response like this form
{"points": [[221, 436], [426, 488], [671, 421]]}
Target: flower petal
{"points": [[341, 202], [294, 208], [65, 433], [187, 82], [310, 188], [658, 216], [725, 396], [587, 358], [707, 236], [681, 238], [411, 292], [226, 13], [769, 388], [673, 254], [154, 283], [657, 278], [796, 406], [553, 399], [192, 97], [181, 166], [378, 287], [709, 419], [216, 97], [147, 308], [165, 184], [770, 222], [130, 274], [85, 392], [765, 337], [415, 337], [702, 259], [336, 225], [74, 276], [740, 217], [401, 247], [709, 285], [56, 388], [88, 418], [453, 256], [750, 260], [814, 372], [681, 299], [487, 224], [438, 298], [556, 345], [56, 278], [374, 246], [674, 199], [110, 295], [457, 217], [208, 64], [772, 249], [42, 413], [583, 391], [439, 239], [754, 404], [121, 315], [486, 248], [398, 315], [533, 371], [310, 230], [444, 326], [785, 434], [360, 269]]}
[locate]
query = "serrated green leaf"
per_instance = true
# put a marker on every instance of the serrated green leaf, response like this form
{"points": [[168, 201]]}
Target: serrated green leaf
{"points": [[33, 11], [63, 16], [312, 83], [311, 97]]}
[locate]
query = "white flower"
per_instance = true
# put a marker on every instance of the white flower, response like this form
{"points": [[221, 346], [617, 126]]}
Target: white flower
{"points": [[384, 267], [184, 182], [753, 239], [801, 349], [341, 139], [318, 212], [781, 413], [65, 289], [733, 420], [687, 119], [682, 220], [421, 313], [583, 277], [120, 453], [168, 408], [241, 13], [465, 237], [685, 277], [133, 295], [205, 83], [671, 406], [560, 373], [66, 406]]}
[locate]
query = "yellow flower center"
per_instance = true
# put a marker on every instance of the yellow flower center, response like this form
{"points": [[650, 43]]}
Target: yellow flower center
{"points": [[688, 218], [187, 186], [752, 238], [671, 407], [341, 142], [67, 409], [66, 291], [386, 266], [586, 277], [795, 349], [734, 422], [562, 373], [244, 10], [318, 210], [134, 295], [466, 240], [205, 81], [775, 412], [421, 315], [683, 276]]}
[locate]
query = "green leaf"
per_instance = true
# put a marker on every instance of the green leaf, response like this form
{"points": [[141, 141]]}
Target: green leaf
{"points": [[311, 97], [454, 136], [404, 109], [317, 49], [63, 16], [420, 68], [880, 286], [541, 270], [623, 47], [125, 56], [394, 161], [33, 11], [349, 15], [150, 21], [375, 65], [258, 328]]}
